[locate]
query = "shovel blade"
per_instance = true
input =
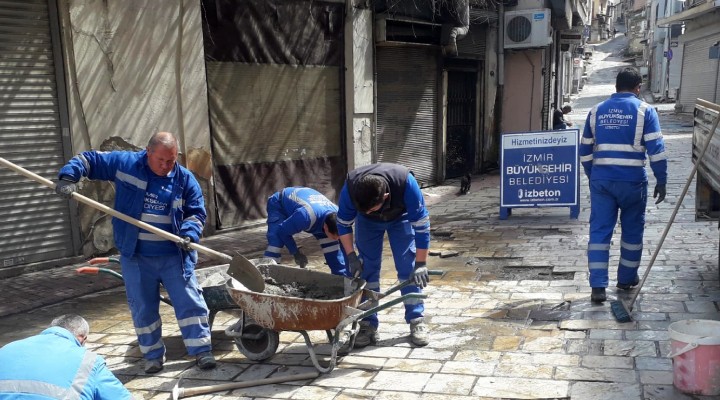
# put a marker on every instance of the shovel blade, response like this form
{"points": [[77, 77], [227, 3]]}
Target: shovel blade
{"points": [[242, 270]]}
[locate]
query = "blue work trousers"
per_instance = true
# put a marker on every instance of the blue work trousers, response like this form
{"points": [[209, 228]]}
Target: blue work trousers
{"points": [[143, 275], [607, 198], [369, 235]]}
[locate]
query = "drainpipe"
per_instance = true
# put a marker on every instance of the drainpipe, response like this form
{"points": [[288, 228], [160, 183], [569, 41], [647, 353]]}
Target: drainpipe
{"points": [[501, 65]]}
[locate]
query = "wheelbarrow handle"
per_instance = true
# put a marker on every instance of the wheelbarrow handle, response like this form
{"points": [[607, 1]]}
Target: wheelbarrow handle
{"points": [[103, 260], [411, 281], [97, 270]]}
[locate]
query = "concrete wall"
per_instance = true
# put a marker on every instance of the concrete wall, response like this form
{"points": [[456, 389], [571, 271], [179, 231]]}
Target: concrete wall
{"points": [[522, 105], [359, 87], [133, 68]]}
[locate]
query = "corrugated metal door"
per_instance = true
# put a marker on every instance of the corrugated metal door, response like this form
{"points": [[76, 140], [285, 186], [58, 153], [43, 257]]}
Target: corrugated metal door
{"points": [[34, 222], [407, 109], [698, 70]]}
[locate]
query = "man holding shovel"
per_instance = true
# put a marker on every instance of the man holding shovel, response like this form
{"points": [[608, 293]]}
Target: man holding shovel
{"points": [[152, 187]]}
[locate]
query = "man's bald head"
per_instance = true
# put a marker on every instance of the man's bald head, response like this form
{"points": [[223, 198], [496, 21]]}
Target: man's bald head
{"points": [[165, 139]]}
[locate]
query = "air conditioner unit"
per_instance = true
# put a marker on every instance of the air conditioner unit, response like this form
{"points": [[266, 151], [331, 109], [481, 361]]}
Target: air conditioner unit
{"points": [[527, 28]]}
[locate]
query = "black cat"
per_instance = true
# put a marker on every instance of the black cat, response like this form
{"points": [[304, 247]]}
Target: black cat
{"points": [[465, 183]]}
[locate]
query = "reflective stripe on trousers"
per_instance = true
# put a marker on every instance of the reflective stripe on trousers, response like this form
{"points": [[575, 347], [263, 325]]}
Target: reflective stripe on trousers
{"points": [[608, 198], [143, 275]]}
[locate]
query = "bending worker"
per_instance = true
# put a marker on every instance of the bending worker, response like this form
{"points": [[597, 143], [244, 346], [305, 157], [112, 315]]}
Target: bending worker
{"points": [[383, 198], [618, 133], [300, 209], [56, 365], [151, 186]]}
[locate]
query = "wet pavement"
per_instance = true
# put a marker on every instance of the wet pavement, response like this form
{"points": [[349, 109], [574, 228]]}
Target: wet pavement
{"points": [[511, 317]]}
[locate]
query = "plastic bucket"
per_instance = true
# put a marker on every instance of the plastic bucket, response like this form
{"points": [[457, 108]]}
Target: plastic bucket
{"points": [[695, 353]]}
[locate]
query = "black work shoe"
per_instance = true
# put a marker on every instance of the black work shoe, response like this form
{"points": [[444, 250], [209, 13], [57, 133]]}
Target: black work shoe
{"points": [[205, 360], [598, 295], [628, 286]]}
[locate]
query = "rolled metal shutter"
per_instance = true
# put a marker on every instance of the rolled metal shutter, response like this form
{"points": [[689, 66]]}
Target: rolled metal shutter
{"points": [[698, 70], [34, 222], [474, 44], [407, 109]]}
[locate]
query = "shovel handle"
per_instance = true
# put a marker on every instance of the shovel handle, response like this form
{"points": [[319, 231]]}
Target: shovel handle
{"points": [[102, 207]]}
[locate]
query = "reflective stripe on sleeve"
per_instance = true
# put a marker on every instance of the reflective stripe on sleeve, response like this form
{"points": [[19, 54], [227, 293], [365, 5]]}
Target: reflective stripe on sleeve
{"points": [[127, 178], [658, 157]]}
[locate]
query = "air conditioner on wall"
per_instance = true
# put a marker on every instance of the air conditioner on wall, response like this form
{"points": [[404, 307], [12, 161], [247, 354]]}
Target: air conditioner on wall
{"points": [[527, 28]]}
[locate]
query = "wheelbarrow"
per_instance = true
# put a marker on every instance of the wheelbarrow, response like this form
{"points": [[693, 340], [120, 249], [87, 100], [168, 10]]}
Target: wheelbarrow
{"points": [[339, 317]]}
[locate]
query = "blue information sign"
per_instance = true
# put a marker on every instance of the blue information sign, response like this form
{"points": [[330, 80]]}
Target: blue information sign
{"points": [[540, 169]]}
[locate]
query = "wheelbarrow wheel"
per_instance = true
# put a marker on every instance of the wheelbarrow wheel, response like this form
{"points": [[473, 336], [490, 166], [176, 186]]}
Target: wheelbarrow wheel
{"points": [[257, 343]]}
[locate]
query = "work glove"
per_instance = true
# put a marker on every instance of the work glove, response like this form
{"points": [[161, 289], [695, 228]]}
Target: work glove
{"points": [[420, 274], [301, 259], [354, 264], [185, 243], [659, 193], [65, 187]]}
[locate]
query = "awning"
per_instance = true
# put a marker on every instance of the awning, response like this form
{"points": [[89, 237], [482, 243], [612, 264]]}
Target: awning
{"points": [[691, 13]]}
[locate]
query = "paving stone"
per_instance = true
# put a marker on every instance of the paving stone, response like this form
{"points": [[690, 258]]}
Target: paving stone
{"points": [[653, 363], [521, 370], [520, 388], [604, 391], [607, 362], [412, 365], [452, 384], [468, 368], [389, 380], [595, 374], [656, 377], [544, 345], [629, 348]]}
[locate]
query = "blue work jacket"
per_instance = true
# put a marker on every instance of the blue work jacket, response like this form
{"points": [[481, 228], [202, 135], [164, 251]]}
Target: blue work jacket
{"points": [[54, 365]]}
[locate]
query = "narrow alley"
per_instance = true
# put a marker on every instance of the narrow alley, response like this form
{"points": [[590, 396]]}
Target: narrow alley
{"points": [[510, 319]]}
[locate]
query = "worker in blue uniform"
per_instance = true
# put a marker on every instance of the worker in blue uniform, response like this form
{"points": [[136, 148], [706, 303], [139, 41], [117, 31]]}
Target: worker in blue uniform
{"points": [[152, 187], [56, 365], [620, 134], [301, 209], [381, 198]]}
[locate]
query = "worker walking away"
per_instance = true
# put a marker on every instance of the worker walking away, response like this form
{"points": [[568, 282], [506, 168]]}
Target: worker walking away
{"points": [[381, 198], [151, 186], [620, 134], [55, 365], [301, 209]]}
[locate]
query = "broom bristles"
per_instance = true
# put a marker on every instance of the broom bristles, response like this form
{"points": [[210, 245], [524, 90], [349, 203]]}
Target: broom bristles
{"points": [[620, 312]]}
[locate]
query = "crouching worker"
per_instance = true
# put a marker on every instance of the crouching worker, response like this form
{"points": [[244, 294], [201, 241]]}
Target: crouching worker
{"points": [[151, 186], [55, 365], [300, 209]]}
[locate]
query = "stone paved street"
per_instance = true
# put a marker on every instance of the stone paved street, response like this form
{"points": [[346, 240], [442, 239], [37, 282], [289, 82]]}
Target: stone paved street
{"points": [[510, 319]]}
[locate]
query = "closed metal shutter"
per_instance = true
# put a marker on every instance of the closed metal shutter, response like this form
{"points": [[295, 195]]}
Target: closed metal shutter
{"points": [[407, 109], [34, 222], [698, 70]]}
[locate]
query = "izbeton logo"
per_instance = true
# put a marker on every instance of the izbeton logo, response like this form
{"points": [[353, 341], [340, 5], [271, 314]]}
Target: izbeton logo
{"points": [[538, 193]]}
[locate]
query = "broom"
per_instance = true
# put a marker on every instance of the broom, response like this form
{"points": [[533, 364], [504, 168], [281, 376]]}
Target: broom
{"points": [[622, 310]]}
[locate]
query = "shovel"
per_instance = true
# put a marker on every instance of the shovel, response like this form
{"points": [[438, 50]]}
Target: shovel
{"points": [[240, 267]]}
